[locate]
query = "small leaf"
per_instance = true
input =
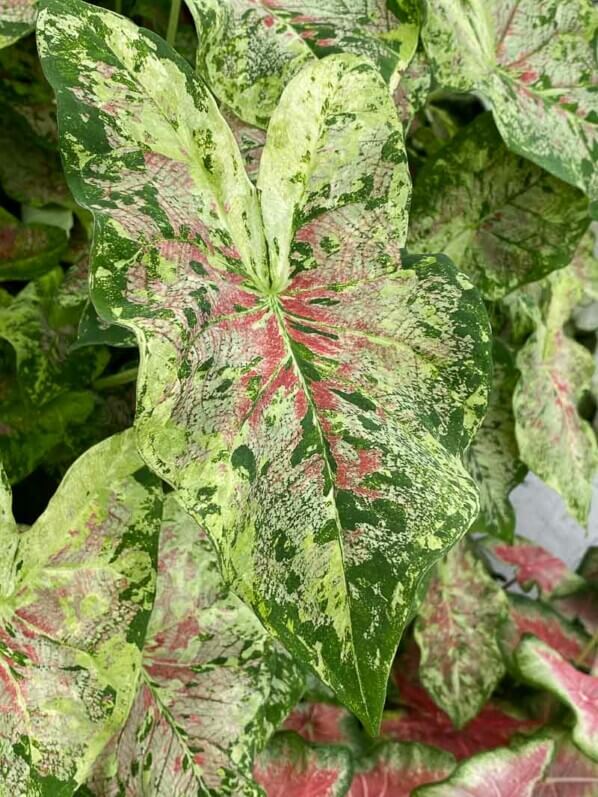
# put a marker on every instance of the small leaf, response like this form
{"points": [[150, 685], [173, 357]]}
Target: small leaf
{"points": [[28, 251], [536, 567], [75, 597], [582, 606], [457, 633], [534, 61], [94, 331], [413, 88], [493, 456], [289, 767], [396, 768], [529, 616], [17, 19], [212, 687], [543, 667], [501, 218], [570, 774], [324, 723], [513, 772], [246, 54], [262, 364]]}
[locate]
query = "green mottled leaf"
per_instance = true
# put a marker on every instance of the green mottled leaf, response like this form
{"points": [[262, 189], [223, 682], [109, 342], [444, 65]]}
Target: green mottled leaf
{"points": [[246, 54], [296, 767], [75, 596], [500, 218], [212, 688], [457, 632], [413, 88], [493, 456], [513, 772], [28, 250], [554, 441], [543, 667], [94, 331], [303, 431], [535, 62], [396, 768], [17, 19]]}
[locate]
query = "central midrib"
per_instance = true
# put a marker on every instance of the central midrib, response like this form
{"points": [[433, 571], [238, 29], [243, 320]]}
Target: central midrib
{"points": [[277, 310]]}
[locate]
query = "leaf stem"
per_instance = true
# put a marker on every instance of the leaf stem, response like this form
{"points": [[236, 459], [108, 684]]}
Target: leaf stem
{"points": [[115, 380], [587, 650], [118, 6], [173, 21]]}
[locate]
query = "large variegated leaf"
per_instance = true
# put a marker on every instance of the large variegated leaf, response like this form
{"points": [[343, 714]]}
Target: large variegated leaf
{"points": [[212, 688], [457, 632], [246, 54], [75, 595], [508, 772], [571, 774], [493, 456], [28, 250], [304, 432], [17, 19], [554, 440], [542, 666], [289, 767], [502, 219], [394, 769], [535, 61]]}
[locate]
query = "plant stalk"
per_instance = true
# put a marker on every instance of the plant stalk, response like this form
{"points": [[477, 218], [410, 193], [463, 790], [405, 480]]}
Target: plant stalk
{"points": [[173, 21], [115, 380]]}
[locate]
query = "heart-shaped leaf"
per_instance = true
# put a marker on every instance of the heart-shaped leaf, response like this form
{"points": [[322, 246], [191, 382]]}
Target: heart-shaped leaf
{"points": [[17, 19], [513, 772], [290, 767], [396, 768], [212, 687], [76, 591], [317, 442], [457, 632], [28, 250], [501, 218], [535, 61], [542, 666]]}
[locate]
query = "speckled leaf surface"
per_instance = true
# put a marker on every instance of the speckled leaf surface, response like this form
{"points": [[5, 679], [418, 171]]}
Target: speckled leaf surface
{"points": [[212, 688], [554, 440], [457, 633], [290, 767], [28, 250], [75, 596], [493, 456], [543, 667], [246, 54], [394, 769], [503, 220], [413, 88], [305, 434], [535, 61], [513, 772], [17, 19], [571, 774]]}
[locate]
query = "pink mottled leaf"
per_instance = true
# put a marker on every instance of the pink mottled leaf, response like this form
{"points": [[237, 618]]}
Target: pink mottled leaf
{"points": [[213, 685], [571, 774], [324, 723], [17, 18], [394, 769], [582, 606], [290, 767], [506, 772], [542, 666]]}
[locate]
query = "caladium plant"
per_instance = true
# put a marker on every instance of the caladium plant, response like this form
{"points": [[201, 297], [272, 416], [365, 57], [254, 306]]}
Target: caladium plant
{"points": [[213, 240]]}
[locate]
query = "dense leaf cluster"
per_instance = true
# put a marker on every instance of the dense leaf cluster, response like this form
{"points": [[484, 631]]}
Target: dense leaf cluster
{"points": [[291, 302]]}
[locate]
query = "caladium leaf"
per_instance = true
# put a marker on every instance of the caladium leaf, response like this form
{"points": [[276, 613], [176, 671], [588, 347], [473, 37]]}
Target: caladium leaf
{"points": [[529, 616], [542, 666], [290, 767], [571, 774], [457, 632], [17, 19], [28, 250], [582, 606], [513, 772], [535, 61], [246, 54], [588, 567], [212, 687], [94, 331], [75, 596], [534, 566], [501, 218], [262, 365], [413, 88], [554, 441], [324, 723], [493, 456], [250, 141], [396, 768]]}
